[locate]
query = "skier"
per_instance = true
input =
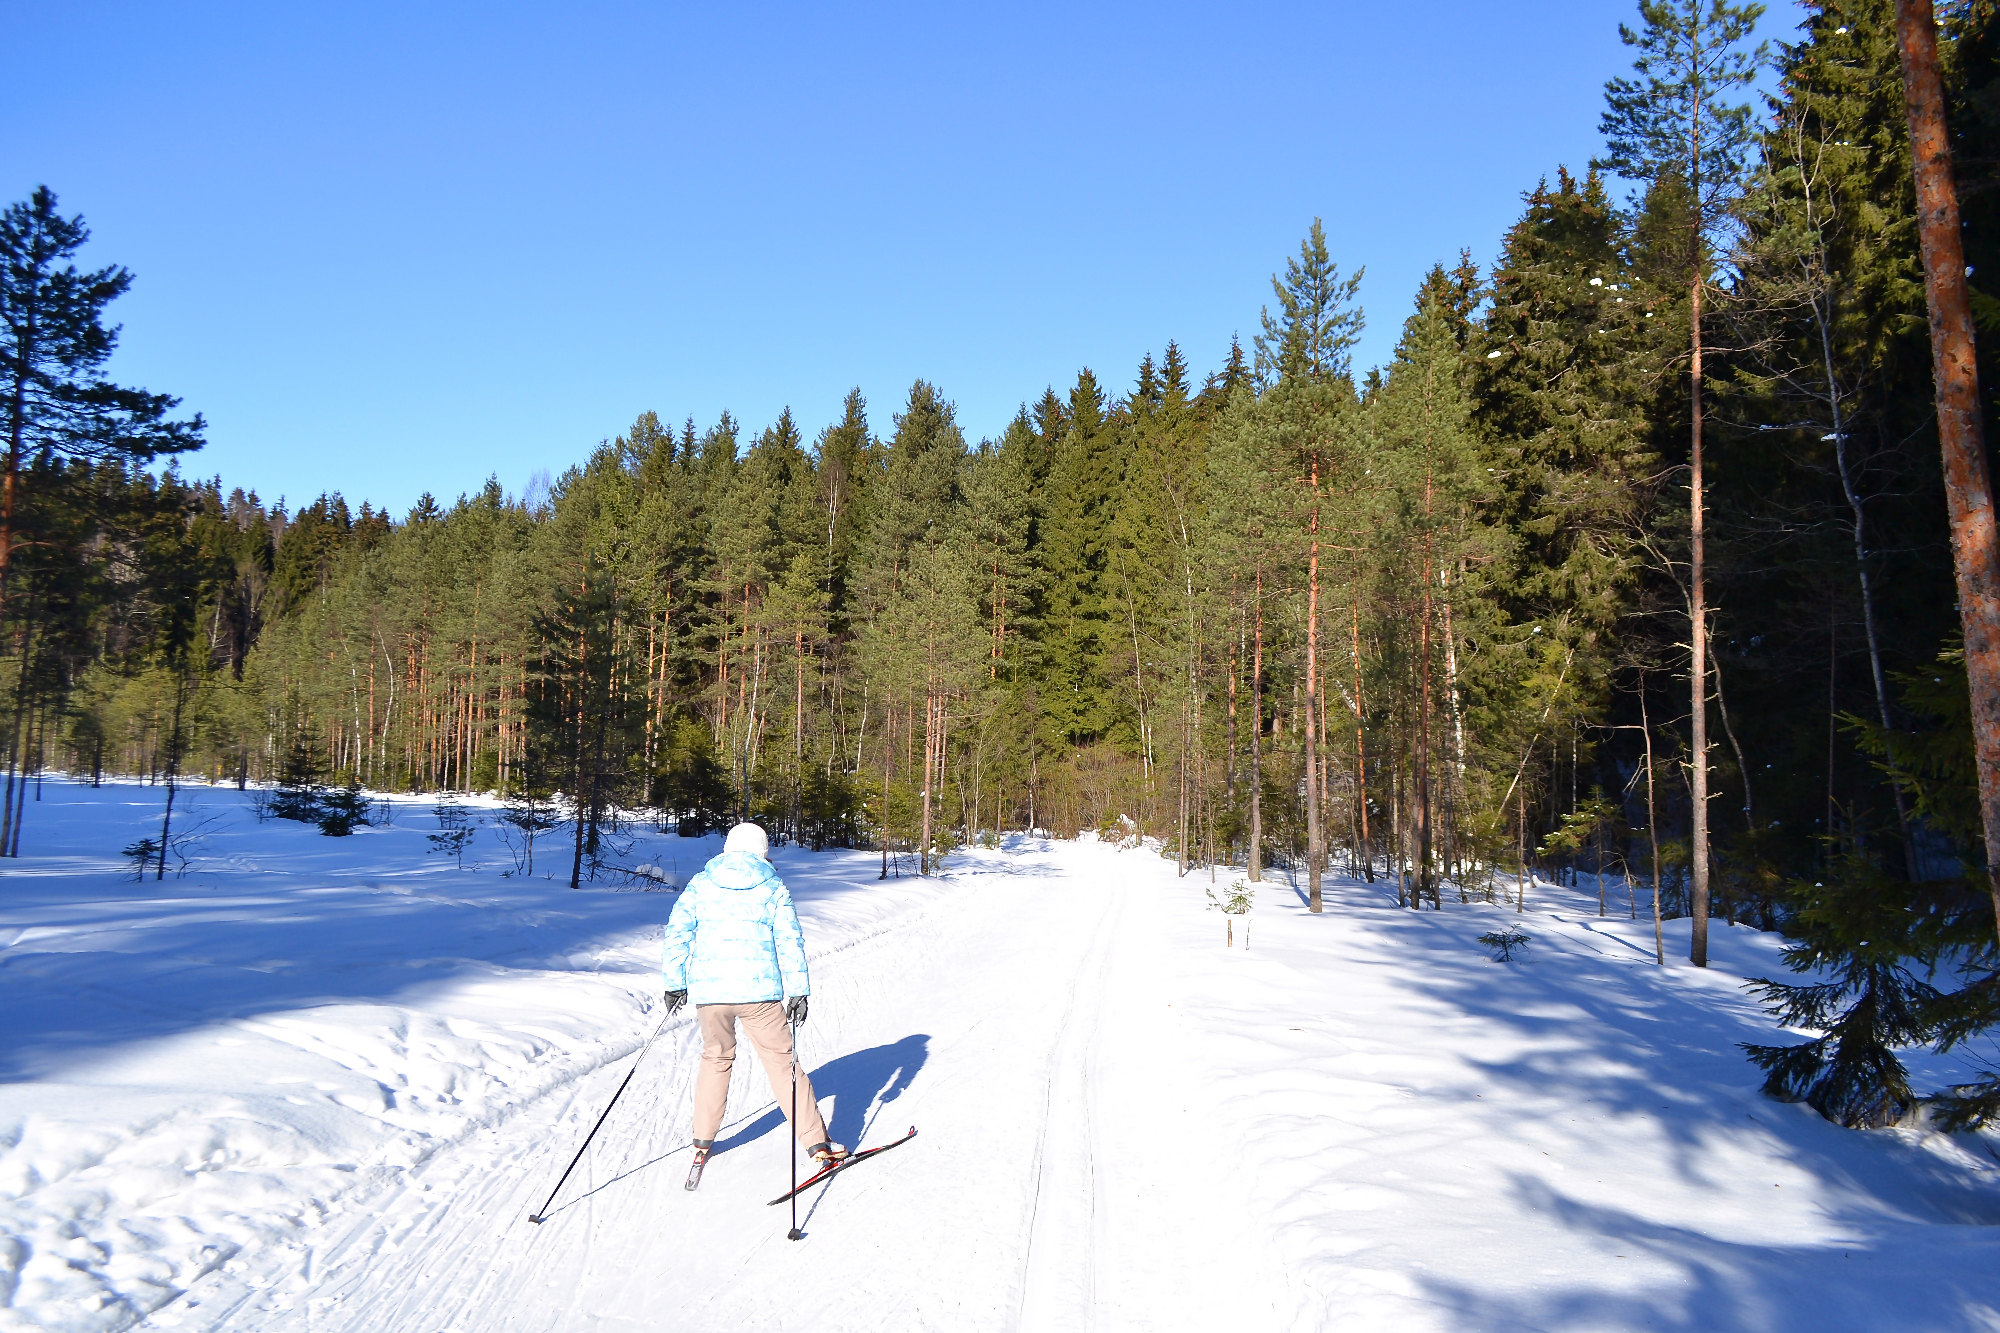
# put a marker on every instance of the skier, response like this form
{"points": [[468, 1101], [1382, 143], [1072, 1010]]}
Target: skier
{"points": [[734, 947]]}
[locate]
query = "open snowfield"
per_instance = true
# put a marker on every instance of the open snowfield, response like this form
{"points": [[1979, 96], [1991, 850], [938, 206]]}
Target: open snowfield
{"points": [[320, 1084]]}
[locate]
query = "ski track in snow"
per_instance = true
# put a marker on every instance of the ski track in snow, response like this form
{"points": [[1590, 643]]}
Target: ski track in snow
{"points": [[318, 1086]]}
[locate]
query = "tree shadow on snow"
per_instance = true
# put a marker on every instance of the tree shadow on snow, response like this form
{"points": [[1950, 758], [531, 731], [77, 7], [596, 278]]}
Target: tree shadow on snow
{"points": [[1712, 1283], [1587, 1028], [276, 918]]}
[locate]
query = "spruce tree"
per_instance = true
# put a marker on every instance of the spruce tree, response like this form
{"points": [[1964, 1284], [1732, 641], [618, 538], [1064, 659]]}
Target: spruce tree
{"points": [[581, 705], [1078, 514], [1828, 311]]}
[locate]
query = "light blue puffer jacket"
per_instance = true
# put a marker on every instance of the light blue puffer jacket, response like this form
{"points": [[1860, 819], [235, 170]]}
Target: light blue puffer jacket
{"points": [[734, 936]]}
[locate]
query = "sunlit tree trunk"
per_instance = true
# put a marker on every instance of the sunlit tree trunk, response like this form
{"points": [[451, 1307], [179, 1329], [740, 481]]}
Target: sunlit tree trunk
{"points": [[1975, 543]]}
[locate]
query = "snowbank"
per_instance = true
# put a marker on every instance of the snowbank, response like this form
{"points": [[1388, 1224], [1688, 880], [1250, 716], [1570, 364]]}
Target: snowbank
{"points": [[318, 1084], [195, 1073]]}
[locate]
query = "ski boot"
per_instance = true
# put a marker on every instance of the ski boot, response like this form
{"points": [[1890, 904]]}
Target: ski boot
{"points": [[827, 1154], [701, 1151]]}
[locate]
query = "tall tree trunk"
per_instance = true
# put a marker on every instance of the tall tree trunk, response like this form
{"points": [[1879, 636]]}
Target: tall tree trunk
{"points": [[174, 745], [1313, 900], [1975, 544], [10, 819], [1426, 885], [1698, 667], [1255, 859], [1451, 682], [17, 425], [1652, 827], [1698, 591], [1521, 852], [1859, 522], [1235, 670], [930, 769], [888, 759], [1361, 749]]}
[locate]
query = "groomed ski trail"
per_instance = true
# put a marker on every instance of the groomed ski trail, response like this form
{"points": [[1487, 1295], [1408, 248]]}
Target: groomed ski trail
{"points": [[1061, 1182]]}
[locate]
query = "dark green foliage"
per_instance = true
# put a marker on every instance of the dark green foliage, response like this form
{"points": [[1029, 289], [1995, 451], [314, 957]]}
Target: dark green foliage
{"points": [[1314, 332], [301, 786], [831, 809], [342, 810], [912, 644], [693, 789], [53, 344], [1690, 63], [915, 492], [314, 540], [1076, 536], [590, 723], [69, 436], [1932, 759], [846, 466], [455, 830], [1854, 929], [143, 855], [1560, 385], [1503, 943]]}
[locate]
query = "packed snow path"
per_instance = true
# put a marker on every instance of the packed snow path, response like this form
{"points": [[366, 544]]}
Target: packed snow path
{"points": [[320, 1085], [1004, 1021]]}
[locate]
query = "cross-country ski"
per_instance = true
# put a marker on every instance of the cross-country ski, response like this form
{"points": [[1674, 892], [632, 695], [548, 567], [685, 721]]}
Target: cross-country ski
{"points": [[835, 1168]]}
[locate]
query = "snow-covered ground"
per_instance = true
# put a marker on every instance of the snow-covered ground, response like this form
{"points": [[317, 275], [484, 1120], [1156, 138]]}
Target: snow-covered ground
{"points": [[321, 1083]]}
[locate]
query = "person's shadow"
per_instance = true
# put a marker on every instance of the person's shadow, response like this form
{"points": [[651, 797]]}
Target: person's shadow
{"points": [[858, 1083]]}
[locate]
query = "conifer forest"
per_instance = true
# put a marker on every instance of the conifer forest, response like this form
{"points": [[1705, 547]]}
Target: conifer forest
{"points": [[1634, 566]]}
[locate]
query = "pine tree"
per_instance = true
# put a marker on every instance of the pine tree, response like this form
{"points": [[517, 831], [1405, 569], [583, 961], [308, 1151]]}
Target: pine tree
{"points": [[1676, 124], [53, 344], [1314, 332], [1303, 358], [1248, 524], [1422, 445]]}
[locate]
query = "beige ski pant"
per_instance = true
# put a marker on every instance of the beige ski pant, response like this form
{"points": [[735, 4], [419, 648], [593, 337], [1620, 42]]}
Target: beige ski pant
{"points": [[764, 1024]]}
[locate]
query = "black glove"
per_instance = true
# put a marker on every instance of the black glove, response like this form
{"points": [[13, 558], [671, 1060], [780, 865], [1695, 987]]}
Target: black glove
{"points": [[675, 999], [795, 1010]]}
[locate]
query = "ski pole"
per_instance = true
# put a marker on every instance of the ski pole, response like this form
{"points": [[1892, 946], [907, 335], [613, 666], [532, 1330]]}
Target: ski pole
{"points": [[795, 1233], [543, 1215]]}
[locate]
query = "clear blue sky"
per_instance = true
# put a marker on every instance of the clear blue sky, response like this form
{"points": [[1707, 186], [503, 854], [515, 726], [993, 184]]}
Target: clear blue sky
{"points": [[395, 248]]}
